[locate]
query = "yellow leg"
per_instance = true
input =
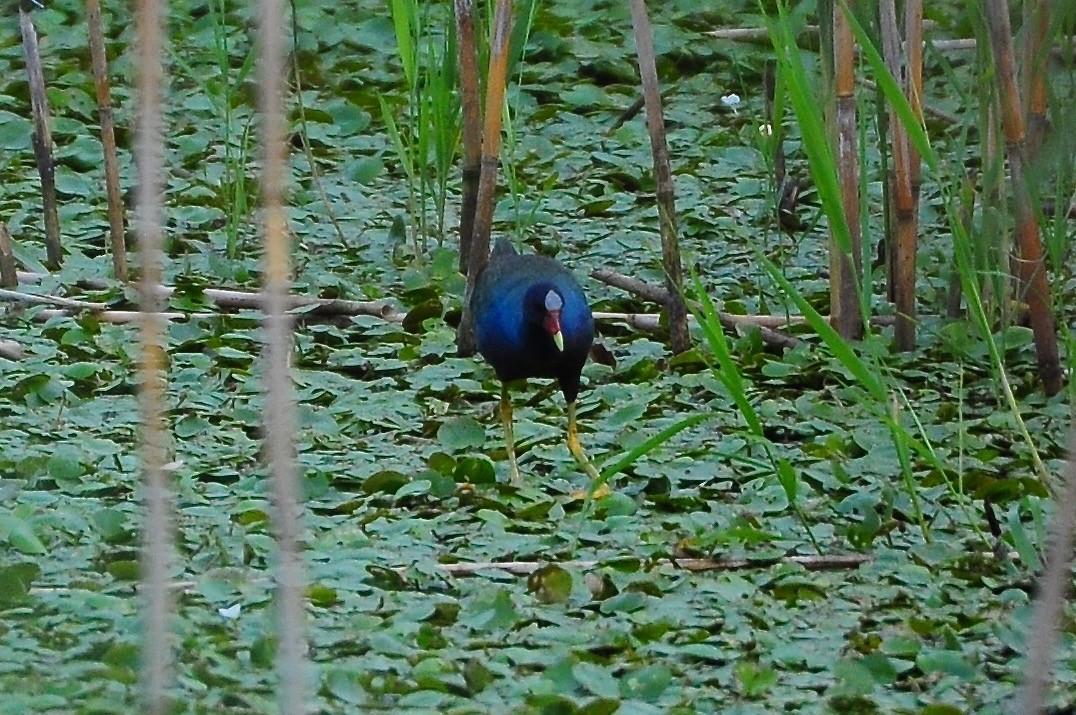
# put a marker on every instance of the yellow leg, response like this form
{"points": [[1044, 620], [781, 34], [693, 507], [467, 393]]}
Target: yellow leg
{"points": [[509, 435], [576, 448]]}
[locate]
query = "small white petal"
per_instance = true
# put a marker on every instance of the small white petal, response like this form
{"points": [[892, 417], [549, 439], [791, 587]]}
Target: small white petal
{"points": [[231, 612], [765, 130], [730, 100]]}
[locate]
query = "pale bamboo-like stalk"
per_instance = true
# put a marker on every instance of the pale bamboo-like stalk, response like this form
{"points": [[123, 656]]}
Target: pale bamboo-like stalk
{"points": [[486, 199], [1052, 588], [845, 262], [471, 111], [9, 277], [99, 60], [1036, 29], [279, 415], [42, 138], [679, 338], [1032, 263], [157, 540]]}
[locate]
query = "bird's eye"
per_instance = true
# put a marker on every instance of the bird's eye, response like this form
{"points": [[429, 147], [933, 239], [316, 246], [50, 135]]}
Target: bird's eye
{"points": [[553, 301]]}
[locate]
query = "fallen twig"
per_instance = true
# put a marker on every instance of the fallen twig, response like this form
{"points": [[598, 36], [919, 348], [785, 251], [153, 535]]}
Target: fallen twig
{"points": [[239, 299], [121, 316], [11, 350], [659, 295], [646, 321], [762, 33], [15, 296], [523, 568]]}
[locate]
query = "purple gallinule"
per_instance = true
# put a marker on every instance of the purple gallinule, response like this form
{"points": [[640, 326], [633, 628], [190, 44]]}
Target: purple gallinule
{"points": [[531, 319]]}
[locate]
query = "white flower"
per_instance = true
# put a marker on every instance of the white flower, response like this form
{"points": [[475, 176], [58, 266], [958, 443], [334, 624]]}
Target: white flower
{"points": [[730, 101], [231, 612]]}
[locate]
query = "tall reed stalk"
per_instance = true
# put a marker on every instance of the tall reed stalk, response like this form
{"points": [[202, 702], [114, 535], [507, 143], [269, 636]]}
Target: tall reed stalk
{"points": [[666, 195], [1032, 266], [845, 263]]}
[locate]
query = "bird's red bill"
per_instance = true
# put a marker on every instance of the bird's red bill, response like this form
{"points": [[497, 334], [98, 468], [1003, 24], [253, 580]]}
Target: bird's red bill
{"points": [[552, 326]]}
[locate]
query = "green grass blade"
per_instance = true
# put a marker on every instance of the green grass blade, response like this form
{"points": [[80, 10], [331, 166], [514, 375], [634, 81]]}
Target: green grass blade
{"points": [[404, 23], [401, 149], [647, 446], [865, 375], [727, 372]]}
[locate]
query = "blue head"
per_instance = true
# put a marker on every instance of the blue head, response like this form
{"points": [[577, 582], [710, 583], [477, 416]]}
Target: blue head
{"points": [[531, 319]]}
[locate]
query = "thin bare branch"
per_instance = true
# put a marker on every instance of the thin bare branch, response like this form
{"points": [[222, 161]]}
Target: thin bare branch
{"points": [[121, 317], [940, 114], [42, 138], [471, 109], [635, 286], [666, 194], [12, 296], [99, 60], [9, 276]]}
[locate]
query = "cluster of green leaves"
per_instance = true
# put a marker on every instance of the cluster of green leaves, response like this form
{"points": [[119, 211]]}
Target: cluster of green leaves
{"points": [[399, 445]]}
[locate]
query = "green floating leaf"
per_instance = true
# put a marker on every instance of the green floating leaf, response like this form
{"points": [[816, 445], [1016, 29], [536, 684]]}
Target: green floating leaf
{"points": [[321, 595], [460, 433], [854, 677], [940, 709], [596, 679], [112, 524], [366, 170], [477, 676], [15, 583], [647, 683], [945, 661], [386, 481], [418, 486], [432, 308], [754, 679], [64, 465], [551, 584], [475, 470], [20, 534], [124, 569]]}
